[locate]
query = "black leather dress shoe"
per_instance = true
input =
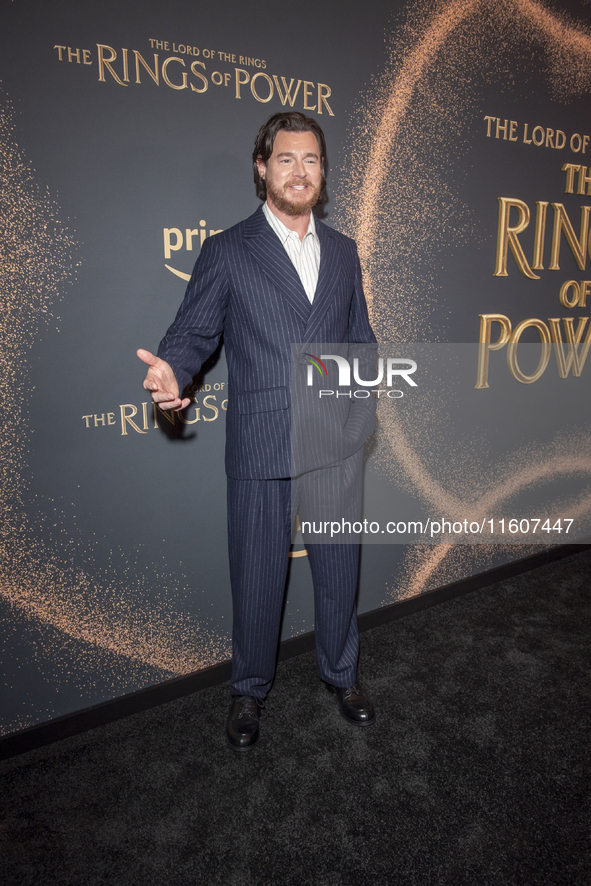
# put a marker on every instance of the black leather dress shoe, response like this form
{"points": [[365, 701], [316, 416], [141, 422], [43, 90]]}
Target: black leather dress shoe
{"points": [[242, 725], [354, 704]]}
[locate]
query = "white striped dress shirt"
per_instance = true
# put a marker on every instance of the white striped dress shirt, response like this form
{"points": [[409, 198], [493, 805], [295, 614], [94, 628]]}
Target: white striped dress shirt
{"points": [[304, 254]]}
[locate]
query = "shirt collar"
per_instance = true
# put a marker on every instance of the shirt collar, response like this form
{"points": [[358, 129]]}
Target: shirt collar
{"points": [[282, 231]]}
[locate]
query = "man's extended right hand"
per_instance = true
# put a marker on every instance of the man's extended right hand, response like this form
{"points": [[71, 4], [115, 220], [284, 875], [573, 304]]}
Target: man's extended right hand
{"points": [[161, 382]]}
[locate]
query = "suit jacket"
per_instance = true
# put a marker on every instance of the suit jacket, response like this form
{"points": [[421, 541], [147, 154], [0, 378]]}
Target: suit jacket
{"points": [[245, 286]]}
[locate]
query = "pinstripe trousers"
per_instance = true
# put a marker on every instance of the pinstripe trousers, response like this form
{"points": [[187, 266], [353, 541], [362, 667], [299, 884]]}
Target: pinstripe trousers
{"points": [[260, 519]]}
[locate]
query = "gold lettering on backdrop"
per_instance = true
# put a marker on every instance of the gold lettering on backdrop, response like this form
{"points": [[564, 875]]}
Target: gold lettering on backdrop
{"points": [[251, 62], [105, 63], [154, 74], [572, 352], [308, 86], [564, 289], [286, 96], [73, 54], [322, 96], [578, 247], [486, 346], [129, 413], [510, 125], [114, 66], [174, 241], [168, 82], [214, 409], [507, 237], [201, 76], [189, 234], [512, 351], [578, 143], [99, 419], [168, 244], [269, 83], [570, 169], [239, 81], [127, 419], [540, 230], [575, 358], [584, 179], [538, 136], [191, 421], [124, 53]]}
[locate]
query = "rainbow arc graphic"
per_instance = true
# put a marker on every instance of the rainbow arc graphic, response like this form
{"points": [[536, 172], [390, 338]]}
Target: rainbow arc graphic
{"points": [[317, 362]]}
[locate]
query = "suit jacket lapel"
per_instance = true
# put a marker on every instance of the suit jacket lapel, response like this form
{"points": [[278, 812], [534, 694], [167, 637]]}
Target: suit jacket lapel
{"points": [[268, 251], [330, 262]]}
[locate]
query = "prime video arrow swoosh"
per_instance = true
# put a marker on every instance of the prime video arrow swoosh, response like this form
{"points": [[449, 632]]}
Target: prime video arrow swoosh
{"points": [[178, 273]]}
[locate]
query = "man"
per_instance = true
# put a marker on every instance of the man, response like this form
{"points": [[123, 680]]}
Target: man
{"points": [[279, 278]]}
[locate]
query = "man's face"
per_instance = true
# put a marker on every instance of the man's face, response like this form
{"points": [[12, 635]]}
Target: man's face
{"points": [[293, 173]]}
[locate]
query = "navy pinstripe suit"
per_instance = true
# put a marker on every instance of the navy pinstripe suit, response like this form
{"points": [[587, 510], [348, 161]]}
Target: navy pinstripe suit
{"points": [[245, 286]]}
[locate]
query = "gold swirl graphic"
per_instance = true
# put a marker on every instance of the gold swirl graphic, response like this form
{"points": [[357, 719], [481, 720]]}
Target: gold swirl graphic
{"points": [[398, 205], [110, 613]]}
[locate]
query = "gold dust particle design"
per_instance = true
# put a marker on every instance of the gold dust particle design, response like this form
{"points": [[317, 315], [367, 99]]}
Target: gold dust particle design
{"points": [[107, 609], [397, 204]]}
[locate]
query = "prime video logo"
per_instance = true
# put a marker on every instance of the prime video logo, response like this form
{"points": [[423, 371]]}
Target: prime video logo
{"points": [[396, 367]]}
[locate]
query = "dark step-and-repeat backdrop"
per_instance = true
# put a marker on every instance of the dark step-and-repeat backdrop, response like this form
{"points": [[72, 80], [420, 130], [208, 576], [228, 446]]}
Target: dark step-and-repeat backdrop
{"points": [[459, 141]]}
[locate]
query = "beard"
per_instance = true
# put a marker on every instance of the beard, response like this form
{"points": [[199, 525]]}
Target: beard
{"points": [[294, 208]]}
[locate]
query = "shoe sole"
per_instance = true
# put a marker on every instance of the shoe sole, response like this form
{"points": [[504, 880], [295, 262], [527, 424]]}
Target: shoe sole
{"points": [[243, 750], [358, 722]]}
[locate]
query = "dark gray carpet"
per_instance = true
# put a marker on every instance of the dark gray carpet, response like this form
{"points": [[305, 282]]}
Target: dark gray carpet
{"points": [[477, 771]]}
